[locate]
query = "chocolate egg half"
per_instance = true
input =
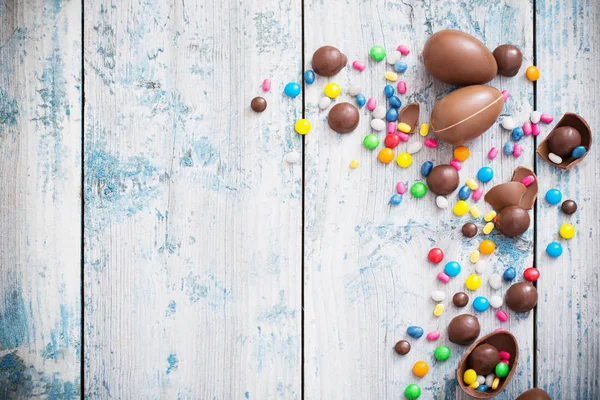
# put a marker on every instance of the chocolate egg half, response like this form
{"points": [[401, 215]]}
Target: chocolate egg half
{"points": [[458, 58], [534, 394], [560, 140], [466, 113]]}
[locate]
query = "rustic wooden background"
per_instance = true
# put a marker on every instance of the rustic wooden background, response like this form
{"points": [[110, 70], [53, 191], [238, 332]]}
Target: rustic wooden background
{"points": [[155, 245]]}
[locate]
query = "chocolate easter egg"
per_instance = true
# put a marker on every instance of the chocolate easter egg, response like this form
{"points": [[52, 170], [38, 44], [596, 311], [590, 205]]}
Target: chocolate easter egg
{"points": [[512, 221], [534, 394], [521, 297], [443, 179], [483, 359], [328, 61], [509, 59], [343, 118], [463, 329], [531, 192], [466, 113], [458, 58], [563, 136], [505, 194]]}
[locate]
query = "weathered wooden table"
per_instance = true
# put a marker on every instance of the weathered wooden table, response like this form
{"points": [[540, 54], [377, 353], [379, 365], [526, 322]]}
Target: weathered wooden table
{"points": [[155, 245]]}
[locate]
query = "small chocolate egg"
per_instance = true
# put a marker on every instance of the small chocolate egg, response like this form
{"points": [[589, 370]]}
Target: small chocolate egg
{"points": [[343, 118], [509, 59], [458, 58], [563, 140], [258, 104], [484, 358], [328, 61], [463, 329], [534, 394], [521, 297], [460, 299], [443, 179], [512, 221]]}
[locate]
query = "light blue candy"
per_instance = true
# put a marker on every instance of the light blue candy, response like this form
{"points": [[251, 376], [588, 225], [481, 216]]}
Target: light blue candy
{"points": [[485, 174], [554, 249], [482, 388], [517, 134], [464, 193], [452, 268], [553, 196], [292, 89], [361, 100], [415, 331], [578, 152], [309, 77], [426, 168], [392, 115], [508, 148], [388, 90], [509, 274], [400, 66], [396, 199], [481, 303], [395, 102]]}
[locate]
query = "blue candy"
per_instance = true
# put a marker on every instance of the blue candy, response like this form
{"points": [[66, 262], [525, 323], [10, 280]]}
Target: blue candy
{"points": [[292, 89], [426, 168], [396, 199], [509, 274], [415, 331], [392, 115], [482, 388], [309, 77], [464, 192], [452, 268], [361, 100], [508, 148], [578, 152], [553, 196], [395, 102], [481, 303], [485, 174], [517, 134], [400, 66], [388, 90], [554, 249]]}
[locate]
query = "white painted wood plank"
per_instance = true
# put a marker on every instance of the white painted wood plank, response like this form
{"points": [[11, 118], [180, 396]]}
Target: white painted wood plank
{"points": [[366, 274], [193, 219], [568, 314], [40, 177]]}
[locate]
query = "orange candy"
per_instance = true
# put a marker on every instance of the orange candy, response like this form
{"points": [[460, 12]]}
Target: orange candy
{"points": [[386, 155], [420, 369], [487, 247], [533, 73], [461, 153]]}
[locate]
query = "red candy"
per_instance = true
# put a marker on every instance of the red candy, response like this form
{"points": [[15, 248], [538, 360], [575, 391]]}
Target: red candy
{"points": [[391, 140], [436, 255], [531, 274], [431, 143]]}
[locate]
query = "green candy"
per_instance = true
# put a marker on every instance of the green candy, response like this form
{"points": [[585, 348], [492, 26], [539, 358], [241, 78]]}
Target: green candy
{"points": [[501, 370], [442, 353], [418, 189], [412, 391], [371, 141], [377, 53]]}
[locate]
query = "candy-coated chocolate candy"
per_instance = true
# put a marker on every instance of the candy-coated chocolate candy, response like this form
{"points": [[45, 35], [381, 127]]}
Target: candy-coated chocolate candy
{"points": [[386, 155], [568, 207], [420, 368], [400, 187], [442, 353], [414, 331], [472, 184], [292, 89], [391, 140], [495, 383], [464, 192], [402, 347], [266, 85], [452, 268], [412, 391], [495, 281], [371, 141], [578, 152], [404, 160], [567, 231], [438, 295], [418, 189], [487, 247], [391, 115], [435, 255], [470, 376], [488, 228], [332, 90], [502, 370], [379, 112], [460, 299], [474, 385], [469, 229], [493, 153], [401, 87], [531, 274], [326, 102], [302, 126], [377, 124], [309, 77], [474, 210], [508, 148], [424, 129], [481, 303], [426, 168], [371, 103], [434, 335], [388, 90], [473, 282], [461, 153], [461, 208], [502, 316], [533, 73], [404, 127], [553, 196], [377, 53], [395, 102], [391, 76], [442, 277], [403, 49], [485, 174], [482, 388], [496, 301], [517, 134], [400, 67], [438, 310], [396, 199], [441, 202], [361, 100], [489, 216], [474, 257], [509, 274]]}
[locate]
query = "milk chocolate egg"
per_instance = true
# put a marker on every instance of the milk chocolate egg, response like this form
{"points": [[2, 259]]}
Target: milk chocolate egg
{"points": [[466, 113], [343, 118], [483, 359], [443, 179], [509, 59], [534, 394], [328, 61], [463, 329], [512, 221], [521, 297], [458, 58]]}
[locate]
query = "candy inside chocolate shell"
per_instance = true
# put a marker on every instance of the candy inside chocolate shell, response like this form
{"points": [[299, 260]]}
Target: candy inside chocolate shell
{"points": [[409, 114], [566, 140], [528, 199]]}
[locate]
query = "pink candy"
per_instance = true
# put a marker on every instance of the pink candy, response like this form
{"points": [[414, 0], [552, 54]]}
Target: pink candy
{"points": [[443, 277], [404, 50], [477, 193], [501, 315], [526, 128], [400, 187], [505, 362], [517, 150], [505, 95], [435, 335], [401, 87], [391, 127], [535, 129], [372, 103], [528, 180], [359, 65], [504, 355], [546, 118], [456, 164], [266, 86], [493, 153], [403, 136], [431, 143]]}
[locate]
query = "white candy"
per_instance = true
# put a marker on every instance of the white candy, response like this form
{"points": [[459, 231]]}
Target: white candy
{"points": [[495, 281], [441, 202], [535, 116], [393, 57], [353, 90], [481, 379], [438, 295], [292, 157], [414, 147], [556, 159], [508, 123], [378, 124], [496, 301], [379, 112], [480, 267], [324, 102], [489, 380]]}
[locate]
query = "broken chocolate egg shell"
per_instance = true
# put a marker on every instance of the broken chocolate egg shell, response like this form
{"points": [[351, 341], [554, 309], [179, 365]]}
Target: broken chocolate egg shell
{"points": [[505, 194], [409, 114], [528, 199], [574, 121], [503, 341]]}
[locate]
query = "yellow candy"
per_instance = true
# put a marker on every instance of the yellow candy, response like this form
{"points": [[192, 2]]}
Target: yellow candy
{"points": [[475, 212], [386, 155], [470, 376], [404, 127], [302, 126], [474, 385], [332, 90], [461, 207], [461, 153], [472, 184], [495, 383], [424, 130], [487, 247], [488, 228], [473, 282], [354, 164], [474, 256], [490, 215], [391, 76], [567, 231], [438, 310], [404, 160]]}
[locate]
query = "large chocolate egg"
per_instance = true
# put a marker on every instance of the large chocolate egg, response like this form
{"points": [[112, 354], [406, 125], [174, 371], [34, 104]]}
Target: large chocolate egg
{"points": [[512, 221], [463, 329], [466, 113], [521, 297], [534, 394], [459, 59]]}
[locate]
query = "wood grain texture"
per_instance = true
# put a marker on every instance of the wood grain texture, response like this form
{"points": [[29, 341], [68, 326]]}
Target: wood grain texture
{"points": [[40, 204], [193, 219], [366, 274], [568, 314]]}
